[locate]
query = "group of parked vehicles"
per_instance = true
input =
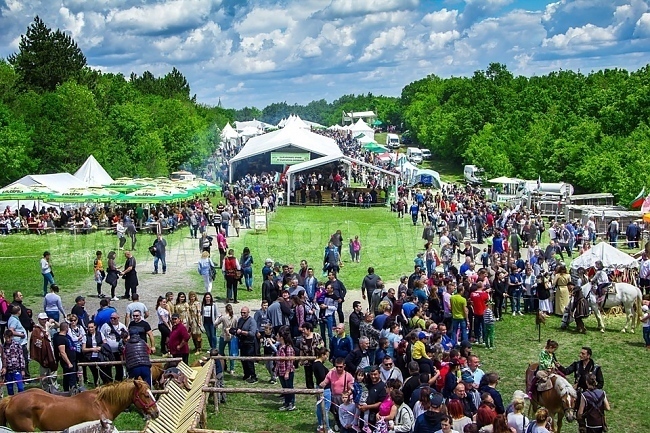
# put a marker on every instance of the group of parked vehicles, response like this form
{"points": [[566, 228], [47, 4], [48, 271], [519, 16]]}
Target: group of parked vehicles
{"points": [[413, 154]]}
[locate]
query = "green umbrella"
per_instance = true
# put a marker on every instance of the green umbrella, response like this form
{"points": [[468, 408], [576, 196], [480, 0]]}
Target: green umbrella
{"points": [[375, 148], [209, 186], [377, 123], [21, 192], [154, 195], [85, 195], [125, 184]]}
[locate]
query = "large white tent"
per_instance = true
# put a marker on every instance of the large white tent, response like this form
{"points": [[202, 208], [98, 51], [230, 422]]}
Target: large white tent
{"points": [[92, 173], [362, 127], [285, 138], [610, 256], [58, 182], [228, 132], [295, 121]]}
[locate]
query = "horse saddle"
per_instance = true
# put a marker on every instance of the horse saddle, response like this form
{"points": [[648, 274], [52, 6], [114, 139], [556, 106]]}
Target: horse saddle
{"points": [[609, 290], [544, 382]]}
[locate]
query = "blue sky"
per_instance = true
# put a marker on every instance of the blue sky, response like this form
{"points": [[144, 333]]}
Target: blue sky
{"points": [[252, 53]]}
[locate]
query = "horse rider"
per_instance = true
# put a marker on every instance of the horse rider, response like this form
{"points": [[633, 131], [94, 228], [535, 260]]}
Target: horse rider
{"points": [[547, 365], [600, 280], [580, 370]]}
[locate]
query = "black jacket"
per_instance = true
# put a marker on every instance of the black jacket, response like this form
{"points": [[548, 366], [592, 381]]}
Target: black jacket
{"points": [[580, 372], [136, 353], [355, 322], [353, 360]]}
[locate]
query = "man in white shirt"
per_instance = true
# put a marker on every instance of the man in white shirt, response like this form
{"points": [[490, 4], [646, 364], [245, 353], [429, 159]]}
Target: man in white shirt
{"points": [[389, 371], [644, 276], [111, 335]]}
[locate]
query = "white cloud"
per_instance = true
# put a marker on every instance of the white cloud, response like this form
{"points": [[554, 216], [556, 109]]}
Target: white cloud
{"points": [[350, 8], [160, 17], [642, 26], [386, 39], [73, 23], [441, 21]]}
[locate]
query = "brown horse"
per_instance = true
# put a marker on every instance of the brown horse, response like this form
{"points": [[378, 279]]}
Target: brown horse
{"points": [[36, 408], [560, 400]]}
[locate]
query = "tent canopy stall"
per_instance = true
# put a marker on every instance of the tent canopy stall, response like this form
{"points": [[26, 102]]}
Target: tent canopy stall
{"points": [[610, 256], [504, 179], [56, 182], [22, 192], [303, 166], [85, 195], [362, 127], [228, 132], [290, 139], [92, 173], [427, 177]]}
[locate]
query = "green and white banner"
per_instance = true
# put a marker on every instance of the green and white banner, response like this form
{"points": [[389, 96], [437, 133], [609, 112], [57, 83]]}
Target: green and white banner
{"points": [[289, 158]]}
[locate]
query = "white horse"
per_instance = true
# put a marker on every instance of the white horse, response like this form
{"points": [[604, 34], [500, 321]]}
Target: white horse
{"points": [[627, 296]]}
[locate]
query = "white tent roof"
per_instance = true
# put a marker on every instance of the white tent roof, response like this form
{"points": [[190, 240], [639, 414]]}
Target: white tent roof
{"points": [[240, 126], [610, 256], [92, 173], [228, 132], [362, 126], [58, 182], [336, 127], [297, 122], [288, 136]]}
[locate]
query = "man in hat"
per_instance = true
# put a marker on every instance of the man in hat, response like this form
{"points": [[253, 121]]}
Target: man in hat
{"points": [[41, 351], [430, 421], [579, 307]]}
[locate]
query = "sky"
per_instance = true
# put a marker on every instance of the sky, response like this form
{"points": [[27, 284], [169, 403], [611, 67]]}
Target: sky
{"points": [[253, 53]]}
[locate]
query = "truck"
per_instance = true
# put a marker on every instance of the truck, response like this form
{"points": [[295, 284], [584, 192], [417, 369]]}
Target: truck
{"points": [[414, 155], [527, 187], [182, 175], [392, 141], [473, 174]]}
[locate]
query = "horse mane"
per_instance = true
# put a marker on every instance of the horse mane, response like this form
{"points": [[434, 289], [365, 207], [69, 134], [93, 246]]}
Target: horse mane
{"points": [[117, 393], [563, 387]]}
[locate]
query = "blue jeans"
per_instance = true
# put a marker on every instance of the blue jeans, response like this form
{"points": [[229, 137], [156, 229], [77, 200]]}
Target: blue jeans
{"points": [[48, 280], [329, 322], [208, 325], [646, 335], [159, 259], [457, 324], [431, 267], [327, 396], [233, 349], [515, 302], [193, 231], [288, 383], [224, 226], [248, 277], [142, 372], [54, 315], [15, 376]]}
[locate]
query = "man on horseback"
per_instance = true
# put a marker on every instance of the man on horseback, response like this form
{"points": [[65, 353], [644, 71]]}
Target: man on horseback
{"points": [[580, 370], [600, 280]]}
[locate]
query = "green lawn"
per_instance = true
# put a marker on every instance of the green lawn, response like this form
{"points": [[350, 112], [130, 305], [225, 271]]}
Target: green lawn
{"points": [[71, 257], [295, 233]]}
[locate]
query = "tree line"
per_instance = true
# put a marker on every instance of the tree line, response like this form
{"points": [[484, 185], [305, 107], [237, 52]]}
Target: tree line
{"points": [[55, 111], [590, 130], [587, 129]]}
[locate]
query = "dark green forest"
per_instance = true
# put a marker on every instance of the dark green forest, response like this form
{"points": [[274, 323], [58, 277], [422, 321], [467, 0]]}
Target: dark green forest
{"points": [[591, 130]]}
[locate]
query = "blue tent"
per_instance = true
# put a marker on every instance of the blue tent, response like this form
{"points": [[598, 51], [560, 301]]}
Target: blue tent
{"points": [[427, 178]]}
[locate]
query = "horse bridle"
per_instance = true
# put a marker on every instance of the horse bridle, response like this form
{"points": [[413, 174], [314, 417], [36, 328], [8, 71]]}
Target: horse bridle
{"points": [[140, 403]]}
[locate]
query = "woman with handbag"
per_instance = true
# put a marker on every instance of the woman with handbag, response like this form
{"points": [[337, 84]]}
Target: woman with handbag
{"points": [[207, 270]]}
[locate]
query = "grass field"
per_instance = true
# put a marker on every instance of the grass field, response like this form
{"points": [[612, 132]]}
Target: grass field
{"points": [[389, 245]]}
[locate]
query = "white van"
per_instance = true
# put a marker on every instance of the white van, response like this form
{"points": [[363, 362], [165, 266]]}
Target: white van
{"points": [[392, 141], [426, 154], [473, 174], [414, 155], [182, 175]]}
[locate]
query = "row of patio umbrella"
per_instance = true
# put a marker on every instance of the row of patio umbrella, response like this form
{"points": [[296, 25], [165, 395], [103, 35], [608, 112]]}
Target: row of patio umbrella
{"points": [[122, 190]]}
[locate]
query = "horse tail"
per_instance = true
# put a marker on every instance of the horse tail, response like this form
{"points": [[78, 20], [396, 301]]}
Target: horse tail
{"points": [[3, 407], [638, 300]]}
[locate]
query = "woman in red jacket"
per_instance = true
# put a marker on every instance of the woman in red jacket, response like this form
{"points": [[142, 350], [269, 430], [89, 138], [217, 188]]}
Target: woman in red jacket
{"points": [[178, 339]]}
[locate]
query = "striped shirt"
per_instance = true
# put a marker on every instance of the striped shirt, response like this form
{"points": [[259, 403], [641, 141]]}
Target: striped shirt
{"points": [[488, 317]]}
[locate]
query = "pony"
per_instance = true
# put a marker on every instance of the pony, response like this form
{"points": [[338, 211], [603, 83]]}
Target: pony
{"points": [[627, 295], [37, 409], [560, 400]]}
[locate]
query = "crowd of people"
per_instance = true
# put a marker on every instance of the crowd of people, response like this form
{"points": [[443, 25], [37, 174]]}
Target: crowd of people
{"points": [[402, 363]]}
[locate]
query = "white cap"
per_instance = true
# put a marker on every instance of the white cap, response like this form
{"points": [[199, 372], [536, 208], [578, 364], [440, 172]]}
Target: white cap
{"points": [[42, 316], [269, 261], [645, 308]]}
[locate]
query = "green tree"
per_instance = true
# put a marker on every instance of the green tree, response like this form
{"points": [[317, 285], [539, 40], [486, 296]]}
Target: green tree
{"points": [[15, 140], [45, 58]]}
